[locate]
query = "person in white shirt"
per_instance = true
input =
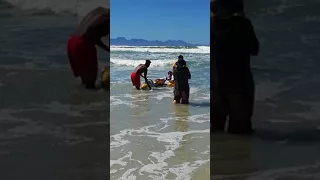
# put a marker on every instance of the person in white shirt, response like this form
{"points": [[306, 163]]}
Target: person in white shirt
{"points": [[165, 80]]}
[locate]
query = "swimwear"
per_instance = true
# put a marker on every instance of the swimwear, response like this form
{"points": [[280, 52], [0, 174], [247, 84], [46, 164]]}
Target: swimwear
{"points": [[83, 59], [135, 78]]}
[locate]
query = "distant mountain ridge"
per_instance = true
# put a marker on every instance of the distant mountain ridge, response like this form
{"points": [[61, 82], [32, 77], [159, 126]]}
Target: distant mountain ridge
{"points": [[142, 42]]}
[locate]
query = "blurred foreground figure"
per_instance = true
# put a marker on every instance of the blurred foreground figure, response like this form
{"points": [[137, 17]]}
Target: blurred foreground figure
{"points": [[233, 42], [81, 46]]}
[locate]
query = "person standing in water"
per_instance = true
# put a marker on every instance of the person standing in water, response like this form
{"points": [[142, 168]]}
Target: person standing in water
{"points": [[135, 75], [181, 76], [81, 48], [180, 58], [234, 42]]}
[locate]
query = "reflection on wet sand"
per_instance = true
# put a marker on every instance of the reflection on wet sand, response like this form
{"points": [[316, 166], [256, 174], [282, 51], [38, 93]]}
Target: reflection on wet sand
{"points": [[181, 113], [181, 125], [140, 100], [231, 155]]}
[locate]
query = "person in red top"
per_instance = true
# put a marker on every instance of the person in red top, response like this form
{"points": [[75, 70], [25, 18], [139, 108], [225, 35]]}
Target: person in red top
{"points": [[135, 75], [81, 48]]}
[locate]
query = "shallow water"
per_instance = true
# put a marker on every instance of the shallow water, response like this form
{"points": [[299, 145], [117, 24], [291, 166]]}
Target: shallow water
{"points": [[50, 127], [286, 142], [151, 138]]}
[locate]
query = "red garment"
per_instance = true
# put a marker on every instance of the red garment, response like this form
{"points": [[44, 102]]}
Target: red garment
{"points": [[83, 58], [135, 78]]}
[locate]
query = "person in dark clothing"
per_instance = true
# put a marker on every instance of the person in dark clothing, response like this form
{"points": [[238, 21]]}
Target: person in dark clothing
{"points": [[181, 76], [180, 59], [234, 42]]}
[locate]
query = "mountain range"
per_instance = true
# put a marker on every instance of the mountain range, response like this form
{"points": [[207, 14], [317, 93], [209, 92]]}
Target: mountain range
{"points": [[142, 42]]}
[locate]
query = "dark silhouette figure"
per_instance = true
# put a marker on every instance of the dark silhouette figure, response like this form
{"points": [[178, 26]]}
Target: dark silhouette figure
{"points": [[233, 42], [181, 76]]}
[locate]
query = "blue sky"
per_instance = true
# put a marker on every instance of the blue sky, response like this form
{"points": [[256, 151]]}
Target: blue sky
{"points": [[187, 20]]}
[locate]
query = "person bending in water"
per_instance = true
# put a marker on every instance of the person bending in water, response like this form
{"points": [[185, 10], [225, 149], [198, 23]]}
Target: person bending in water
{"points": [[135, 75], [181, 76], [81, 48]]}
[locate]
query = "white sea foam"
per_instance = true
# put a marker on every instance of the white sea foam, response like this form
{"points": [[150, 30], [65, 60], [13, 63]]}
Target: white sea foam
{"points": [[200, 118], [125, 63], [134, 63], [76, 7], [157, 139], [157, 166], [31, 126], [159, 49], [116, 101]]}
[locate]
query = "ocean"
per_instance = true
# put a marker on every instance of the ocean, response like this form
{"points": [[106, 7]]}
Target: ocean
{"points": [[151, 138], [50, 127], [287, 121]]}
